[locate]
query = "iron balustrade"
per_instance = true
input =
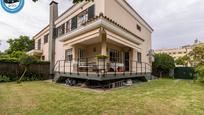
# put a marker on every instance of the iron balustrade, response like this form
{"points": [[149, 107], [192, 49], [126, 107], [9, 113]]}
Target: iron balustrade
{"points": [[101, 67]]}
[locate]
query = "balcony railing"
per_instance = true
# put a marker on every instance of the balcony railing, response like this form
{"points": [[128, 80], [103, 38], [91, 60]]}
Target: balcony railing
{"points": [[101, 67]]}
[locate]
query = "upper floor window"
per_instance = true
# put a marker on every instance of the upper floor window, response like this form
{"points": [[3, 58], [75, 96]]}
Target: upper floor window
{"points": [[91, 12], [46, 38], [68, 26], [61, 30], [82, 17], [39, 44], [74, 23], [139, 28]]}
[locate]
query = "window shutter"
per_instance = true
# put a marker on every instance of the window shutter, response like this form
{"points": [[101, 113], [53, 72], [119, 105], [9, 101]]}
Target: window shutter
{"points": [[74, 23], [55, 33], [91, 12]]}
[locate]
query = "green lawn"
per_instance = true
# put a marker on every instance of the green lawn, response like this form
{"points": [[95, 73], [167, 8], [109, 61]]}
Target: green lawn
{"points": [[160, 97]]}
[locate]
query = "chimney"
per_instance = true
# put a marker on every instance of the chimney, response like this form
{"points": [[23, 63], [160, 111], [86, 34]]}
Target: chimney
{"points": [[53, 11], [51, 53]]}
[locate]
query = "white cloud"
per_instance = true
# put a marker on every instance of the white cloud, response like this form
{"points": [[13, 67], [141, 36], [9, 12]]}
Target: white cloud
{"points": [[176, 22]]}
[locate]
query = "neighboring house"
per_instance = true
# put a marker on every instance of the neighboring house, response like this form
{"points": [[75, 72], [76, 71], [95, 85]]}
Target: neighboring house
{"points": [[175, 52], [179, 52], [72, 40]]}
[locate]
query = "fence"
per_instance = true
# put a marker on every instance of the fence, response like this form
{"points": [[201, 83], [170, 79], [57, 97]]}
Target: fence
{"points": [[184, 73], [15, 70]]}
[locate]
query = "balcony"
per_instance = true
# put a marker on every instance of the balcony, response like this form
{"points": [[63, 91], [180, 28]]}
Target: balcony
{"points": [[101, 69], [97, 22], [35, 52]]}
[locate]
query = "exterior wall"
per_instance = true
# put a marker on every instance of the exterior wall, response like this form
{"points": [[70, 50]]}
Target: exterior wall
{"points": [[44, 47], [115, 11], [111, 9], [91, 53]]}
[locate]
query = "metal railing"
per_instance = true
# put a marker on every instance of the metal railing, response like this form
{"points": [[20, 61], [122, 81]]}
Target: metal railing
{"points": [[101, 67]]}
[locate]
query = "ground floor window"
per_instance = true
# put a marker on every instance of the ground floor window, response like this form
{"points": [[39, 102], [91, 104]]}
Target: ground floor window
{"points": [[115, 55], [43, 58], [68, 55], [139, 57], [81, 53]]}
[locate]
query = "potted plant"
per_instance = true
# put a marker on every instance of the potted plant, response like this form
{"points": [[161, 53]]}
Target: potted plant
{"points": [[102, 62], [102, 57]]}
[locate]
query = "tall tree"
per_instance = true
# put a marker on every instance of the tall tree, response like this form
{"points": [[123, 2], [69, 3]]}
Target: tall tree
{"points": [[23, 43], [185, 60], [197, 55], [163, 64]]}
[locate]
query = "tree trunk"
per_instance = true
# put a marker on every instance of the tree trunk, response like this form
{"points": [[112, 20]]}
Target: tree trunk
{"points": [[19, 81], [160, 74]]}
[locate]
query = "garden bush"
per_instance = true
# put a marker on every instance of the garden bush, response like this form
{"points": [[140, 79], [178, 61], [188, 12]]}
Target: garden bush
{"points": [[29, 76], [9, 60], [11, 69], [4, 78], [17, 61], [200, 73]]}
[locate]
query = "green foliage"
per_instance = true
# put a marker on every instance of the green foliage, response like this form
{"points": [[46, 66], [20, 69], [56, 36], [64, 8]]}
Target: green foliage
{"points": [[183, 60], [9, 60], [23, 43], [4, 78], [28, 77], [200, 73], [158, 97], [27, 60], [15, 60], [197, 55], [102, 56], [17, 54], [163, 64], [4, 55]]}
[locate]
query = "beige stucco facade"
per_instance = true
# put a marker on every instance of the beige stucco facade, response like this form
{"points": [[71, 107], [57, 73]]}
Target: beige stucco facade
{"points": [[115, 26], [180, 51]]}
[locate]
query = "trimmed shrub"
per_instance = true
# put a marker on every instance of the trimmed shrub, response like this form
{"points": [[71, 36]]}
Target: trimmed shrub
{"points": [[4, 78], [17, 61], [9, 60], [11, 69], [200, 73], [29, 76]]}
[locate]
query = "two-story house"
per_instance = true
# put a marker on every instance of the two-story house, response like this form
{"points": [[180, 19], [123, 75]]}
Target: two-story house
{"points": [[72, 41]]}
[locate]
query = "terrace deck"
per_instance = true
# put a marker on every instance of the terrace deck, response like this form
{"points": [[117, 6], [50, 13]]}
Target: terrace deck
{"points": [[102, 77]]}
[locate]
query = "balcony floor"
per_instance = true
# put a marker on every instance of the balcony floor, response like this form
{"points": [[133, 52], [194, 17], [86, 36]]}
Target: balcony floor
{"points": [[102, 77]]}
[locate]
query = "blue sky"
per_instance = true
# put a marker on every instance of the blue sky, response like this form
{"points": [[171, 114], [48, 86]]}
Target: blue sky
{"points": [[176, 22]]}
